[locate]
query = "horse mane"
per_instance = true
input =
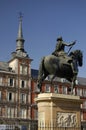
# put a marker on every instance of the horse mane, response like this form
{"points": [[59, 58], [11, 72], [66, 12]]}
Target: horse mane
{"points": [[75, 52]]}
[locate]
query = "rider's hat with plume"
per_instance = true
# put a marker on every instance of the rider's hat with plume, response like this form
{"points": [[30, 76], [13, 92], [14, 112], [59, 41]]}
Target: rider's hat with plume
{"points": [[59, 38]]}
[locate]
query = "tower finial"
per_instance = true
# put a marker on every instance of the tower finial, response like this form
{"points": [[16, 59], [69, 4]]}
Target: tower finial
{"points": [[20, 40], [20, 33], [20, 16]]}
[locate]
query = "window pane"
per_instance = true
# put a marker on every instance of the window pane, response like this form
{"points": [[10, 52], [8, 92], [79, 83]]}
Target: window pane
{"points": [[47, 88], [56, 89], [11, 82], [22, 84]]}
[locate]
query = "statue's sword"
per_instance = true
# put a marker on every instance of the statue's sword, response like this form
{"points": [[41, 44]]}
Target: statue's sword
{"points": [[70, 47]]}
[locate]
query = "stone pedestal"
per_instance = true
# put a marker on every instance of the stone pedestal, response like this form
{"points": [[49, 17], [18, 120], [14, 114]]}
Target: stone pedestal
{"points": [[58, 111]]}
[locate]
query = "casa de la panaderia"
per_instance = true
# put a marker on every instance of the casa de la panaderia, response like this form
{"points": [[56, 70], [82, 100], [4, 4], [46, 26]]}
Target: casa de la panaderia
{"points": [[18, 82]]}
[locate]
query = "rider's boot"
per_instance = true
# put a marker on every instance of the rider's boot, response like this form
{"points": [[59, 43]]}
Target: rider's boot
{"points": [[74, 72], [73, 69]]}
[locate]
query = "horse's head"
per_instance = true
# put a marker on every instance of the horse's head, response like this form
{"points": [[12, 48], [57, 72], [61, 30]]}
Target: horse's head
{"points": [[77, 55]]}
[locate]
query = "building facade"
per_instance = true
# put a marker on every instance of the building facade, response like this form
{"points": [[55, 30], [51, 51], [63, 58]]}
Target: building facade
{"points": [[15, 86]]}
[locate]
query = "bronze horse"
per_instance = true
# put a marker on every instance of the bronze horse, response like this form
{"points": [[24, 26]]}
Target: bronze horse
{"points": [[60, 66]]}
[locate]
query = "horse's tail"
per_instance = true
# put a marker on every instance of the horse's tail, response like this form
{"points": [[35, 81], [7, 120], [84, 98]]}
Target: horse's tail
{"points": [[41, 66]]}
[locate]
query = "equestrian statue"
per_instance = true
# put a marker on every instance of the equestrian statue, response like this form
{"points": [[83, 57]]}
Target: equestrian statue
{"points": [[60, 64]]}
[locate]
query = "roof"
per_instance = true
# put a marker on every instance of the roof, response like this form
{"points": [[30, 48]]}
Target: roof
{"points": [[81, 80], [4, 66], [34, 73]]}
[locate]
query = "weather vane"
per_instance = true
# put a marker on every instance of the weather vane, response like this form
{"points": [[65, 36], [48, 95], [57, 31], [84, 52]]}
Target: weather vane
{"points": [[20, 16]]}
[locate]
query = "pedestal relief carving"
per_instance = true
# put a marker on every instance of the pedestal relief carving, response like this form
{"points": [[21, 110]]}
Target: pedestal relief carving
{"points": [[41, 117], [66, 119]]}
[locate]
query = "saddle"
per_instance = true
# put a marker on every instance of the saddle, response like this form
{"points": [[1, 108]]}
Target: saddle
{"points": [[65, 59]]}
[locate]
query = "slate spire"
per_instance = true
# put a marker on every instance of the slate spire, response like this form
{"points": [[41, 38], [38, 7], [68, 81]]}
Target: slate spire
{"points": [[20, 40], [20, 51]]}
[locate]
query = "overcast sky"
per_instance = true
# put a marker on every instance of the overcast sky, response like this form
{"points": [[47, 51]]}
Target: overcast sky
{"points": [[43, 22]]}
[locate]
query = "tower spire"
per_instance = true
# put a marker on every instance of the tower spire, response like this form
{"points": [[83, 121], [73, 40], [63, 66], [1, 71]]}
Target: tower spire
{"points": [[20, 51], [20, 40]]}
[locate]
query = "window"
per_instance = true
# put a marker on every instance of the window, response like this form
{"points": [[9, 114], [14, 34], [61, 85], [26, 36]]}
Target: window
{"points": [[10, 96], [81, 116], [47, 88], [11, 82], [84, 92], [84, 104], [0, 80], [23, 113], [23, 98], [56, 89], [0, 112], [23, 83], [64, 89], [10, 112], [20, 69], [0, 95], [16, 112], [79, 91], [23, 69]]}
